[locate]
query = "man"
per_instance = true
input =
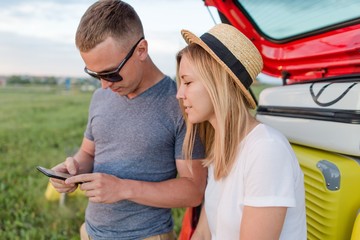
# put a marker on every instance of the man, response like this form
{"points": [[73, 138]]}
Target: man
{"points": [[132, 147]]}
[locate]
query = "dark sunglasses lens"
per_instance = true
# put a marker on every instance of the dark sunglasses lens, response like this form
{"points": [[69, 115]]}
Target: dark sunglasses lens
{"points": [[94, 75], [113, 77]]}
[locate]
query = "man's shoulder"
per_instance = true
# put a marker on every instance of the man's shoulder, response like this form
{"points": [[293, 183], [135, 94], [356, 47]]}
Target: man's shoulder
{"points": [[166, 88], [168, 81], [100, 92]]}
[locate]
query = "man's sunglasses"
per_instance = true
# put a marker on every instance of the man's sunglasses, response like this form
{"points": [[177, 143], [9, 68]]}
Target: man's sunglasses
{"points": [[114, 75]]}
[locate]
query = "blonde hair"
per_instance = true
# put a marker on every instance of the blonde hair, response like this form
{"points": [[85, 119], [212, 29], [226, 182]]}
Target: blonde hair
{"points": [[230, 108], [108, 18]]}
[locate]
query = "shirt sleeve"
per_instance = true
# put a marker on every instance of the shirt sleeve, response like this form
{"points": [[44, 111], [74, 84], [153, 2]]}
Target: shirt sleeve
{"points": [[198, 151], [88, 131], [269, 177]]}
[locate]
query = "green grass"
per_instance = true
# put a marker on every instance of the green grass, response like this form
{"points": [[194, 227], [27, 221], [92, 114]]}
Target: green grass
{"points": [[41, 126]]}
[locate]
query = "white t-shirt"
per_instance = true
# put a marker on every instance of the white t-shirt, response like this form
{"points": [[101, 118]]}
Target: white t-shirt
{"points": [[266, 174]]}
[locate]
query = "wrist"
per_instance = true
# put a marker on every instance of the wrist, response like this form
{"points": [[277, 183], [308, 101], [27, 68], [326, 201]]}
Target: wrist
{"points": [[130, 192]]}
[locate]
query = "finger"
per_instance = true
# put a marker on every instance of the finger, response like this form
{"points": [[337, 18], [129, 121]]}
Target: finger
{"points": [[60, 168], [59, 182], [94, 199], [56, 182], [92, 196], [90, 193], [81, 178], [72, 165], [70, 190], [88, 186], [85, 186], [65, 188]]}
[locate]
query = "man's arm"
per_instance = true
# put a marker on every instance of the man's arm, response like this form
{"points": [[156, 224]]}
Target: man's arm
{"points": [[84, 157], [81, 162], [186, 190]]}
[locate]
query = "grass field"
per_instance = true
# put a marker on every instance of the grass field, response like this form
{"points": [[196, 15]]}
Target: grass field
{"points": [[41, 126]]}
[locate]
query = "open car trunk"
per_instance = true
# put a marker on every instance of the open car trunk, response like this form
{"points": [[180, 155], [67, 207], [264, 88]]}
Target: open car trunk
{"points": [[315, 46], [312, 48], [299, 40]]}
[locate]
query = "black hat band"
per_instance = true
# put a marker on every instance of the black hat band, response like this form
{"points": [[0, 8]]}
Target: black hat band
{"points": [[228, 58]]}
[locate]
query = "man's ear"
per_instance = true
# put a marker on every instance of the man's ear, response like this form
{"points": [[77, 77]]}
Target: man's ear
{"points": [[142, 49]]}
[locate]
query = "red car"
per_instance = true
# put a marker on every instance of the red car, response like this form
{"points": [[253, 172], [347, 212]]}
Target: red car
{"points": [[312, 50]]}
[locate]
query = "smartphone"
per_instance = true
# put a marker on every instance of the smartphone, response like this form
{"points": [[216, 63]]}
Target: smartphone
{"points": [[53, 174]]}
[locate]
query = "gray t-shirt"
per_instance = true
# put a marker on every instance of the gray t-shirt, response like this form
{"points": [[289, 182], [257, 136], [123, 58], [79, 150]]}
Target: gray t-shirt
{"points": [[136, 139]]}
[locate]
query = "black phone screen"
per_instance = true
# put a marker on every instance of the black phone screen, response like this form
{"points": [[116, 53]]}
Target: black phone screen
{"points": [[53, 174]]}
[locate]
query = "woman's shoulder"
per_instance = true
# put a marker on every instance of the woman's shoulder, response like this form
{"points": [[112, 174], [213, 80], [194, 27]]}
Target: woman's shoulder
{"points": [[265, 132], [266, 138]]}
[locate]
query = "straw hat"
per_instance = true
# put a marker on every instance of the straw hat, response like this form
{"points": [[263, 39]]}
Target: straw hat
{"points": [[232, 50]]}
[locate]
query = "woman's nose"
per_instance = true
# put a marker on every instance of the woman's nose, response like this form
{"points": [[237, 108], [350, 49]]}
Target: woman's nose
{"points": [[180, 93]]}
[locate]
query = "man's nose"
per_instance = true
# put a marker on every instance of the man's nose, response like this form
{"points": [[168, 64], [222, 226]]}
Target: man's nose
{"points": [[105, 84]]}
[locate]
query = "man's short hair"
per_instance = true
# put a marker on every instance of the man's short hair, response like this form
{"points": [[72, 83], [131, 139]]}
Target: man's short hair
{"points": [[108, 18]]}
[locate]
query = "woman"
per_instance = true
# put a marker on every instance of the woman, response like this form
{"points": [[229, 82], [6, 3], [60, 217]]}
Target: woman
{"points": [[255, 185]]}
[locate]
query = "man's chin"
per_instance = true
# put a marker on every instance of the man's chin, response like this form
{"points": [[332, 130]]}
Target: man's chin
{"points": [[120, 91]]}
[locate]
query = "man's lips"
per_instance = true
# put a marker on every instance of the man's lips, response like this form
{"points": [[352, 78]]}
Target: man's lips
{"points": [[116, 89]]}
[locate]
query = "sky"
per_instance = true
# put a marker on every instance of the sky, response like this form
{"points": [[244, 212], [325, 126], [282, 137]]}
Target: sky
{"points": [[37, 36]]}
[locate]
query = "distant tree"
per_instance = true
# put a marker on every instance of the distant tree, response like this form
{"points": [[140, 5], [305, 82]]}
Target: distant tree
{"points": [[18, 80], [52, 80]]}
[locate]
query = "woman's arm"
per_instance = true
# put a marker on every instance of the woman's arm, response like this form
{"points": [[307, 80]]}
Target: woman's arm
{"points": [[202, 231], [263, 223]]}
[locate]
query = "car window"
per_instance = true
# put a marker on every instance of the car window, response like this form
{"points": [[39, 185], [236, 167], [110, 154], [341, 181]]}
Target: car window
{"points": [[282, 19]]}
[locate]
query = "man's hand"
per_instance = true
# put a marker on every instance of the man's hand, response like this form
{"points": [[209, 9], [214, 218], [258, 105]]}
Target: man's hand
{"points": [[100, 187], [70, 166]]}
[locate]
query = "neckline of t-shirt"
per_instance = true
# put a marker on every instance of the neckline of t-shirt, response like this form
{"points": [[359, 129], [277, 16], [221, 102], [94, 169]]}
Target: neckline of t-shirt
{"points": [[252, 131], [147, 91]]}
